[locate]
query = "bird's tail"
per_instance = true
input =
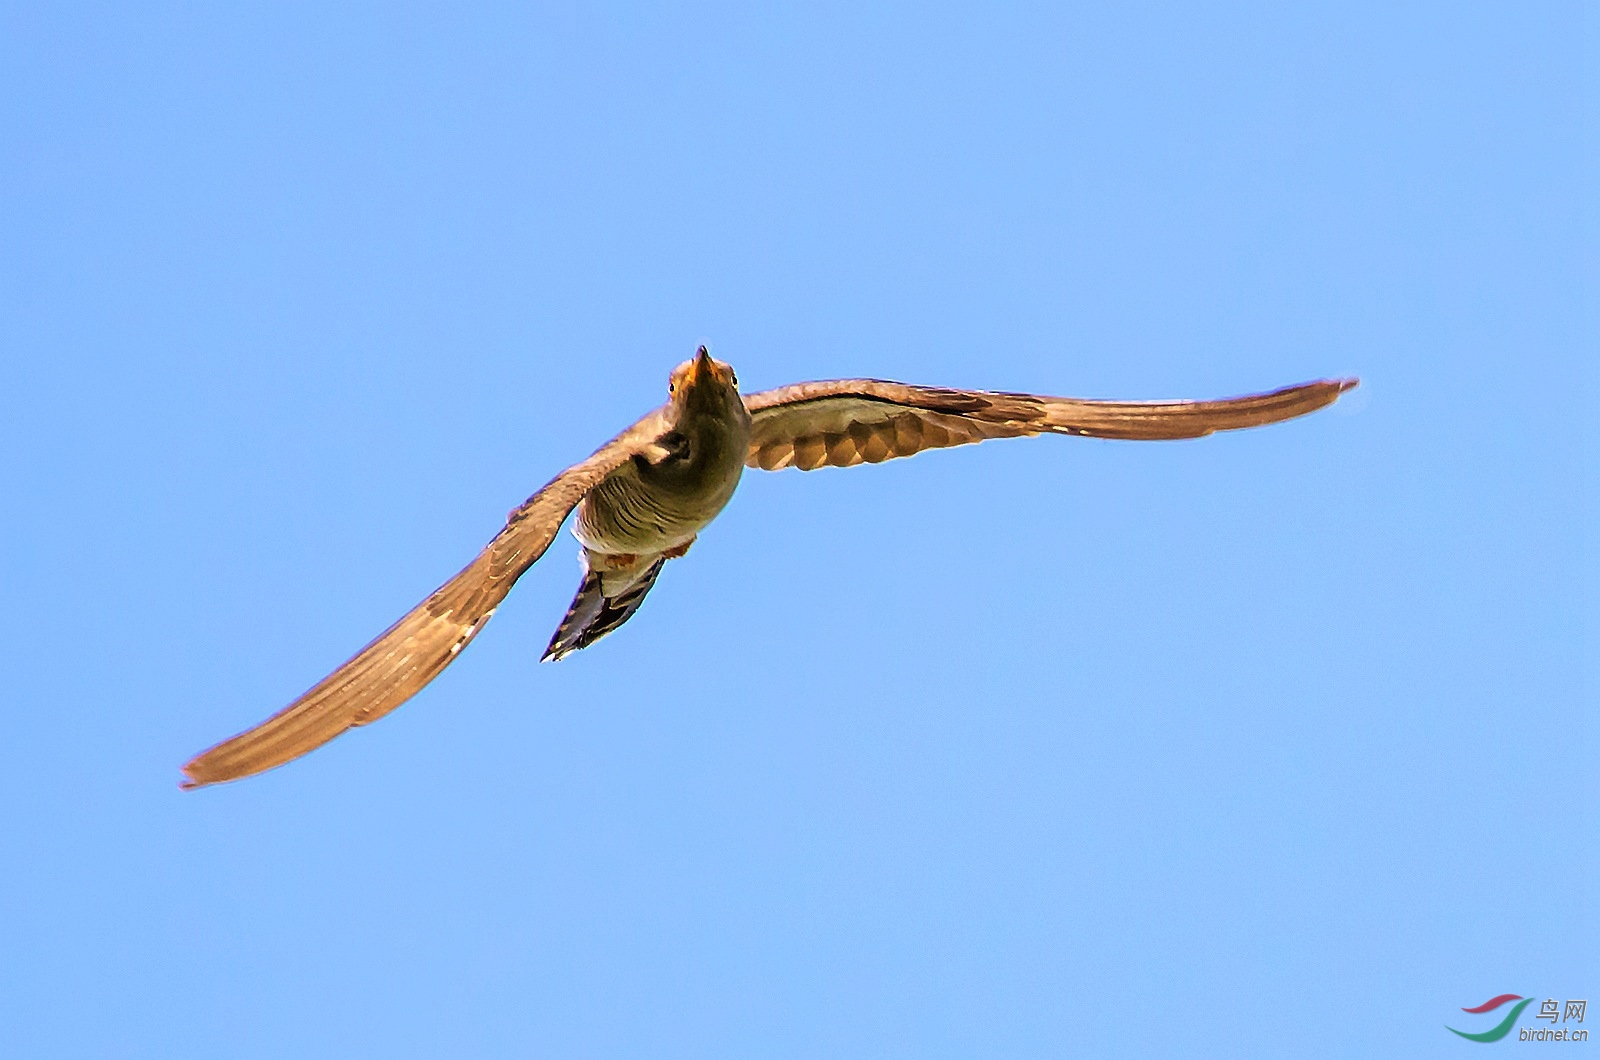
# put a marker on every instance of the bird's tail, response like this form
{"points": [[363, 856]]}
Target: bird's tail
{"points": [[607, 597]]}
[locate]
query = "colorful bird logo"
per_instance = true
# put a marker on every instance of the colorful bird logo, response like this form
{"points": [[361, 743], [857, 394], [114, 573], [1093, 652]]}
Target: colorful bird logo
{"points": [[1503, 1028]]}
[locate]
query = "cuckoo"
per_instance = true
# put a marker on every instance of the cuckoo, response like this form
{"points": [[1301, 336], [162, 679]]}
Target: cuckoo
{"points": [[644, 495]]}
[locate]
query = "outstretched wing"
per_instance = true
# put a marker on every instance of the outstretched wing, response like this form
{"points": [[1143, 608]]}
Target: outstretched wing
{"points": [[415, 649], [843, 422]]}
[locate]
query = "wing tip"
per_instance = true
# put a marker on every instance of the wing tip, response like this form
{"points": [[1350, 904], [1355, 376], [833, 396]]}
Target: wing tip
{"points": [[194, 774]]}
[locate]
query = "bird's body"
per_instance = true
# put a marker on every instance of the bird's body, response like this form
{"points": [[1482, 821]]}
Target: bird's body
{"points": [[649, 510], [643, 497], [663, 498]]}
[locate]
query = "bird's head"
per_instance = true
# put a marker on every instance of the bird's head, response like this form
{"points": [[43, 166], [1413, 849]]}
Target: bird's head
{"points": [[703, 384]]}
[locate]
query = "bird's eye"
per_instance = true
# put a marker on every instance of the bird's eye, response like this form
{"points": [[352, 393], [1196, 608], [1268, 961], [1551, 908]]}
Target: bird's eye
{"points": [[672, 388], [733, 377]]}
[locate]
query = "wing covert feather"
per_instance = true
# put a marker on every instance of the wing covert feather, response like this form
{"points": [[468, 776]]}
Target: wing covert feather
{"points": [[843, 422], [413, 651]]}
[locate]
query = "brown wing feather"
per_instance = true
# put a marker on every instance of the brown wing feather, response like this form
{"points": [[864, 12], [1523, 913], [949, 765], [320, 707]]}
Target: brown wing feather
{"points": [[842, 422], [413, 651]]}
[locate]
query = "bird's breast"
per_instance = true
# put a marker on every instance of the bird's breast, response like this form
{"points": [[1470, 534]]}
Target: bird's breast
{"points": [[645, 508]]}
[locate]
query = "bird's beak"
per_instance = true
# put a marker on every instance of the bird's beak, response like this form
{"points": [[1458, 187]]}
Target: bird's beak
{"points": [[701, 366]]}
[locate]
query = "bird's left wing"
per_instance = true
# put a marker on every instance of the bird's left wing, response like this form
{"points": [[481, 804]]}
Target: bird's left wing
{"points": [[843, 422], [413, 651]]}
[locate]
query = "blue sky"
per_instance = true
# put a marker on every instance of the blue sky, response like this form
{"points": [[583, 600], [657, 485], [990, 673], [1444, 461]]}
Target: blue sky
{"points": [[1281, 742]]}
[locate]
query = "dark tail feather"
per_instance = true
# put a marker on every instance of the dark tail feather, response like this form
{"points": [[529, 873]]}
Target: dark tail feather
{"points": [[593, 614]]}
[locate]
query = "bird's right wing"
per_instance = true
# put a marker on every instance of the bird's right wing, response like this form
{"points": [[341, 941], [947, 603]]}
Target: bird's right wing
{"points": [[415, 649]]}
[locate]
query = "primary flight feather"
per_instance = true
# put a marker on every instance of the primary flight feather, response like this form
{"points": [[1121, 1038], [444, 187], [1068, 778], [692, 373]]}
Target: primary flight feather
{"points": [[643, 496]]}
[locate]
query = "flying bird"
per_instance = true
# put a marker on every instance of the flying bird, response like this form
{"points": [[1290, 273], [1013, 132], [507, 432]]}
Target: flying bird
{"points": [[644, 495]]}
